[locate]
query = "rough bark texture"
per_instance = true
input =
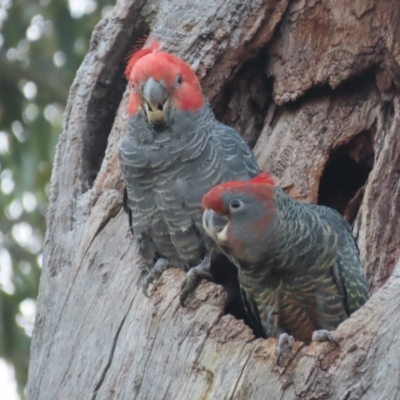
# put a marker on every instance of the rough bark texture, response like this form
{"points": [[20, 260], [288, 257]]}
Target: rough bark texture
{"points": [[314, 85]]}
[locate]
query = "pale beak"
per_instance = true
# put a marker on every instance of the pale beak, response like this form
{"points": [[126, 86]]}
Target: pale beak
{"points": [[215, 225], [156, 101]]}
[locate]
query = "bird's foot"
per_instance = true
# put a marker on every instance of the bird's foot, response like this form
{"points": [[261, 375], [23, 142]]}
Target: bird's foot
{"points": [[322, 335], [193, 278], [284, 346], [160, 266], [144, 271]]}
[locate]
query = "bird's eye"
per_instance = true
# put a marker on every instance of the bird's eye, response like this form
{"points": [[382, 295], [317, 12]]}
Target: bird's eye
{"points": [[178, 80], [235, 204]]}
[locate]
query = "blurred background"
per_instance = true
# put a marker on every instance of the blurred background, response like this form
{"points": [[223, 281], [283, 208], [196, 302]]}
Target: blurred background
{"points": [[42, 43]]}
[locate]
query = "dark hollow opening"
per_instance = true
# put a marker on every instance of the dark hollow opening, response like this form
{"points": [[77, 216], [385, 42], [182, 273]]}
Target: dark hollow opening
{"points": [[226, 275], [346, 172]]}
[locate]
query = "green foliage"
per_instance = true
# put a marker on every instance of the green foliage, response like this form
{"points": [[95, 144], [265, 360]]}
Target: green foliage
{"points": [[42, 43]]}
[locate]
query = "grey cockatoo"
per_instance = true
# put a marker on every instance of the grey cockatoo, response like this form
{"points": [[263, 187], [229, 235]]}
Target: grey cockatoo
{"points": [[299, 266], [174, 152]]}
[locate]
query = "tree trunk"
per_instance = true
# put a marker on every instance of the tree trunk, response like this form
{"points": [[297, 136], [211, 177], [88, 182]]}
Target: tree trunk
{"points": [[314, 86]]}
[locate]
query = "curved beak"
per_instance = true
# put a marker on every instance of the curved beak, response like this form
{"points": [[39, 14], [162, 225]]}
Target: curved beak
{"points": [[215, 225], [156, 101]]}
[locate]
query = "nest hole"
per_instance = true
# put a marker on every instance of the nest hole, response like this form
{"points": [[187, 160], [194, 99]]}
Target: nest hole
{"points": [[345, 175], [226, 275]]}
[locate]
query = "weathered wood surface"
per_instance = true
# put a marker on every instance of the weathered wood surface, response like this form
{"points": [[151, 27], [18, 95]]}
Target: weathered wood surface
{"points": [[96, 336]]}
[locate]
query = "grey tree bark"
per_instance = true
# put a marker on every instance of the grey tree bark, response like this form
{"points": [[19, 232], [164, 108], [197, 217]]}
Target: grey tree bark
{"points": [[314, 86]]}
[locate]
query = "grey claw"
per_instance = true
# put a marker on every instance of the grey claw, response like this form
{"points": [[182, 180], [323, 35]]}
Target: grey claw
{"points": [[189, 283], [182, 298], [285, 344], [193, 278], [323, 335], [144, 290], [148, 279], [160, 266]]}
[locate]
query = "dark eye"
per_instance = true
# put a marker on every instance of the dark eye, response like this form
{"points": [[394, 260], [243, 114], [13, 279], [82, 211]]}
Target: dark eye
{"points": [[179, 80], [235, 204]]}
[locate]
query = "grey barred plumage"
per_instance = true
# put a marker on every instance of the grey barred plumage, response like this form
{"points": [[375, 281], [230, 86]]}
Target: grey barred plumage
{"points": [[167, 172], [299, 265]]}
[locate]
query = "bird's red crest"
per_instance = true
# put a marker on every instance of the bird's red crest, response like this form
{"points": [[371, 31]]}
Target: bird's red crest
{"points": [[138, 54], [260, 187], [150, 61], [263, 178]]}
